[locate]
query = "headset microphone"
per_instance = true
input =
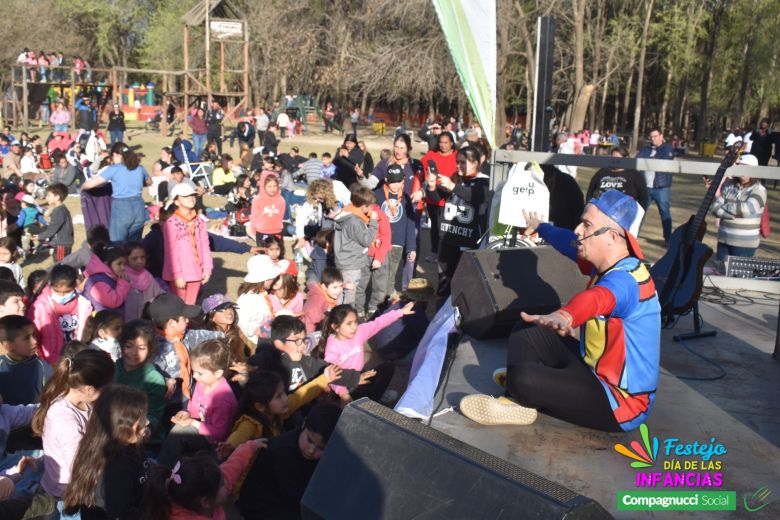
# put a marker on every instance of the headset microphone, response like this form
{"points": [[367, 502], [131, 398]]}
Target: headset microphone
{"points": [[596, 233]]}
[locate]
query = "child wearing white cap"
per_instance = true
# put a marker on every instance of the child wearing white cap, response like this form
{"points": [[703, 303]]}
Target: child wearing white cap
{"points": [[255, 310]]}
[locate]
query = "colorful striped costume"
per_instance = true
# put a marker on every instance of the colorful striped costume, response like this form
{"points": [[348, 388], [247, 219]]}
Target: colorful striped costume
{"points": [[620, 330]]}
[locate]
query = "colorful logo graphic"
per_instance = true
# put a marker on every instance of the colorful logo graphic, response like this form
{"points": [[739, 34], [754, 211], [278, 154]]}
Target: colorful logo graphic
{"points": [[644, 457]]}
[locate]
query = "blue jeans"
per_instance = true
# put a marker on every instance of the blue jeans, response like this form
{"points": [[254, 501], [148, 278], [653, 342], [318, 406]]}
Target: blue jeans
{"points": [[61, 128], [198, 142], [662, 198], [725, 249], [116, 136], [127, 219]]}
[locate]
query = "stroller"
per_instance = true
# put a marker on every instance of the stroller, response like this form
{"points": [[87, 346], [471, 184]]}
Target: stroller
{"points": [[153, 124]]}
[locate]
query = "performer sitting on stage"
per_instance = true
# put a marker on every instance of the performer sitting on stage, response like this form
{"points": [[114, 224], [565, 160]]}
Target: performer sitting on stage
{"points": [[608, 379]]}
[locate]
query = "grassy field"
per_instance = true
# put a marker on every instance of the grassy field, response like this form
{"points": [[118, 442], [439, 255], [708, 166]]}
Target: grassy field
{"points": [[687, 194]]}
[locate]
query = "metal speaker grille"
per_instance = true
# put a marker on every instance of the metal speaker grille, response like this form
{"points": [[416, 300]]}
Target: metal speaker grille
{"points": [[518, 475]]}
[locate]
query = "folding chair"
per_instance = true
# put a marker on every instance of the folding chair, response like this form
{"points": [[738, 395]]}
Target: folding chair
{"points": [[199, 171]]}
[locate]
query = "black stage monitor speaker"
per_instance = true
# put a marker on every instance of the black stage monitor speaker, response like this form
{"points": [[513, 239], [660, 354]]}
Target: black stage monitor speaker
{"points": [[382, 465], [491, 286]]}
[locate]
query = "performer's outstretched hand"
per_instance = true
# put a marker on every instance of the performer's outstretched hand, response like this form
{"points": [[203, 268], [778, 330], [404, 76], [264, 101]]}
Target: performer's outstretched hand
{"points": [[559, 321], [532, 221]]}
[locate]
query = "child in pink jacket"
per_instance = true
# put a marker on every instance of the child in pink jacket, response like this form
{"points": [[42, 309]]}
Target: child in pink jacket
{"points": [[107, 286], [188, 263], [59, 313], [344, 339]]}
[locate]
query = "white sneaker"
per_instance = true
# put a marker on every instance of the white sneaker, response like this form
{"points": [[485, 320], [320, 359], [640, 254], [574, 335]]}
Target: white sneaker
{"points": [[496, 411]]}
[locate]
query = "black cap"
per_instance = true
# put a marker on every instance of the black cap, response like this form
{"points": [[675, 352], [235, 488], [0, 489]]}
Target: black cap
{"points": [[395, 173], [169, 307]]}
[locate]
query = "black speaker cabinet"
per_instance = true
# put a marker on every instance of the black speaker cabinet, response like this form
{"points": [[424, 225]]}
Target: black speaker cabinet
{"points": [[490, 287], [382, 465]]}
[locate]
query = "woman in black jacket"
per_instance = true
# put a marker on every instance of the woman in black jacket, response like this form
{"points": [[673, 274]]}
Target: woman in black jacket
{"points": [[270, 142], [464, 216], [348, 160]]}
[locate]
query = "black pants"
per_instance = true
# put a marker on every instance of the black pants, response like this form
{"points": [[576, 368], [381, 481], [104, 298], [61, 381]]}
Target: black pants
{"points": [[215, 137], [545, 371], [434, 213], [449, 256], [224, 189], [377, 386]]}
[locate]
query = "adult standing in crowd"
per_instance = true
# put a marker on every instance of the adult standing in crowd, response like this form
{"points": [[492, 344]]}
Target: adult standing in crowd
{"points": [[348, 162], [282, 121], [443, 155], [213, 118], [261, 123], [413, 170], [627, 181], [464, 217], [199, 131], [270, 142], [86, 115], [128, 179], [60, 118], [368, 160], [659, 184], [763, 138], [354, 119], [327, 115], [740, 206], [116, 125]]}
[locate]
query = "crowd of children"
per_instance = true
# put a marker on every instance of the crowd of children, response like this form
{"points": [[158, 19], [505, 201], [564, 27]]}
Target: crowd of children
{"points": [[144, 397]]}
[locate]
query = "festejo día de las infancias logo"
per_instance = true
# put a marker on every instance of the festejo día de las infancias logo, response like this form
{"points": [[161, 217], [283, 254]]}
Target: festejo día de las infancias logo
{"points": [[665, 484]]}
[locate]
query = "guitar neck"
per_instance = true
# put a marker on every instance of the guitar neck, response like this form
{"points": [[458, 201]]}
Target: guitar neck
{"points": [[694, 229]]}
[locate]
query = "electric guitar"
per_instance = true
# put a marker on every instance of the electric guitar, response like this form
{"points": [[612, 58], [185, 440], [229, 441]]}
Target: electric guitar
{"points": [[678, 275]]}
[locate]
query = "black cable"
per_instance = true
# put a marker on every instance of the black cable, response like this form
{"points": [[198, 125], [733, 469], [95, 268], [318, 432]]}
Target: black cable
{"points": [[453, 340]]}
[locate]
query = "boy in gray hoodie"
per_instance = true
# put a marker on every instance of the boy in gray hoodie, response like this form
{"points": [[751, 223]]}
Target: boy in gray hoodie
{"points": [[356, 227]]}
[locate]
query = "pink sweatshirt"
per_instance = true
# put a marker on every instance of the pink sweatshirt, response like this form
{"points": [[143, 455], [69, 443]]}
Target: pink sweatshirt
{"points": [[348, 353], [215, 411], [231, 469], [57, 323], [183, 257], [101, 292], [294, 306], [63, 428]]}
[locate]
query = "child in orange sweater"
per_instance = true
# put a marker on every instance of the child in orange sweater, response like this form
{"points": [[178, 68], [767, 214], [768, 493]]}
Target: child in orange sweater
{"points": [[267, 208]]}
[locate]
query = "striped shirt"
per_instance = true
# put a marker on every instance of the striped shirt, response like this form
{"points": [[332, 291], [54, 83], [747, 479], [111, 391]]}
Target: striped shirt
{"points": [[740, 208]]}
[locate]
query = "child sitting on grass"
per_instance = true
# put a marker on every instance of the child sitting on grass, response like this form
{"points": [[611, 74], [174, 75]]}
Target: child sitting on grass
{"points": [[22, 373], [59, 312]]}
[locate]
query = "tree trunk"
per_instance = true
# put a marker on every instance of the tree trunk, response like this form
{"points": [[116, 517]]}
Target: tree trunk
{"points": [[745, 73], [627, 97], [641, 77], [682, 92], [581, 108], [601, 121], [667, 91], [702, 128], [616, 114]]}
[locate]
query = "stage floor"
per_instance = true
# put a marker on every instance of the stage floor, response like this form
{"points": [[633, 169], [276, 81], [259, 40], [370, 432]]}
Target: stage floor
{"points": [[740, 411]]}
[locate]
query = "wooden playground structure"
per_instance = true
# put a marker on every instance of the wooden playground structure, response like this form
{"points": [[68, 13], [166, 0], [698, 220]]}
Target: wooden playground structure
{"points": [[221, 23]]}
